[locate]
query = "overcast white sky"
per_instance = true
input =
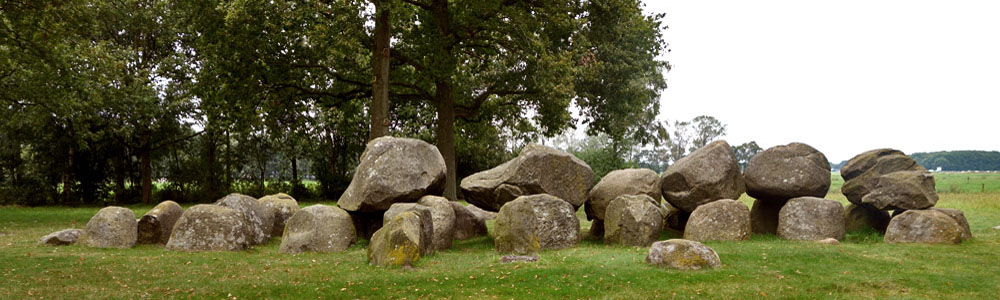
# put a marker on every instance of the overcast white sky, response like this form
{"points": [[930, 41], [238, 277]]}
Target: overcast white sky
{"points": [[842, 76]]}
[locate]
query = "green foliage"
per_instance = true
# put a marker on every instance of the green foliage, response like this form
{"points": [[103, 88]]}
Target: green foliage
{"points": [[744, 152], [959, 160], [599, 154]]}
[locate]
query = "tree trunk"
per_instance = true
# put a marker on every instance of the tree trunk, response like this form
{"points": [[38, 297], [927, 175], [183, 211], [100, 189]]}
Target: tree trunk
{"points": [[68, 177], [295, 171], [446, 136], [146, 170], [380, 56]]}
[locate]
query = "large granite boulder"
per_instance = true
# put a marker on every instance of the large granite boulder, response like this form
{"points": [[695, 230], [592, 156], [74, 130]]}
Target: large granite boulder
{"points": [[723, 220], [282, 207], [443, 217], [707, 174], [318, 228], [258, 219], [393, 170], [764, 216], [206, 227], [633, 220], [683, 255], [924, 226], [467, 224], [536, 222], [788, 171], [618, 183], [959, 217], [811, 219], [155, 226], [873, 170], [902, 190], [537, 170], [863, 217], [426, 223], [111, 227], [61, 238], [400, 242]]}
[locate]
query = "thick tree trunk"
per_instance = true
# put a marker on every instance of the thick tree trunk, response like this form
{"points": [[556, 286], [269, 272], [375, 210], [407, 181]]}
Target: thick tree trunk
{"points": [[380, 56], [295, 171], [446, 137], [146, 173]]}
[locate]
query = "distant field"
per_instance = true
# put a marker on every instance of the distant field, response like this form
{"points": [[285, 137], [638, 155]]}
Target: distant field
{"points": [[949, 182], [764, 267]]}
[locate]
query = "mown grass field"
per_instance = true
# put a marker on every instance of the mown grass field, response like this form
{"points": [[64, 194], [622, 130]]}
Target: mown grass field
{"points": [[764, 267]]}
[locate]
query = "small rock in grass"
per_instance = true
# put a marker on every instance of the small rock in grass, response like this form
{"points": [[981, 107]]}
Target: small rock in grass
{"points": [[60, 238], [996, 227], [506, 259], [683, 255], [829, 241]]}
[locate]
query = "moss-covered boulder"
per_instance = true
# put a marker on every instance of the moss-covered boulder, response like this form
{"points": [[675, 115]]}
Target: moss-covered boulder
{"points": [[394, 170], [258, 219], [633, 220], [443, 219], [111, 227], [787, 171], [282, 207], [537, 170], [682, 255], [426, 222], [206, 227], [928, 226], [707, 174], [811, 219], [536, 222], [155, 226], [621, 182], [399, 242], [723, 220], [318, 228]]}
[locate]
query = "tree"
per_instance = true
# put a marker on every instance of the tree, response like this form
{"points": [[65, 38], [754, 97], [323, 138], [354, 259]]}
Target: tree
{"points": [[380, 57], [706, 130], [744, 152]]}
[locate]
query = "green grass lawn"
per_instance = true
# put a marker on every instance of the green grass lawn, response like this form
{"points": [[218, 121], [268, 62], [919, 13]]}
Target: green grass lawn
{"points": [[764, 267]]}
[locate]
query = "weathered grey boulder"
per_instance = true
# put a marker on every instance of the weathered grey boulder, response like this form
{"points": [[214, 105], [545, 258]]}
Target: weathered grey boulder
{"points": [[258, 219], [723, 220], [467, 224], [318, 228], [683, 255], [863, 174], [811, 218], [705, 175], [536, 222], [426, 223], [443, 219], [393, 170], [633, 220], [788, 171], [764, 216], [111, 227], [537, 170], [61, 238], [400, 242], [621, 182], [481, 213], [155, 226], [282, 207], [862, 217], [959, 217], [924, 226], [206, 227], [674, 218], [902, 190]]}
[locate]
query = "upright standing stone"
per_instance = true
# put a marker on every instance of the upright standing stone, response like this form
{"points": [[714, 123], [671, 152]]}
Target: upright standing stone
{"points": [[426, 223], [924, 226], [621, 182], [111, 227], [318, 228], [394, 170], [282, 207], [707, 174], [811, 219], [210, 228], [537, 222], [443, 216], [633, 220], [258, 219], [155, 226], [723, 220], [399, 242], [537, 170]]}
